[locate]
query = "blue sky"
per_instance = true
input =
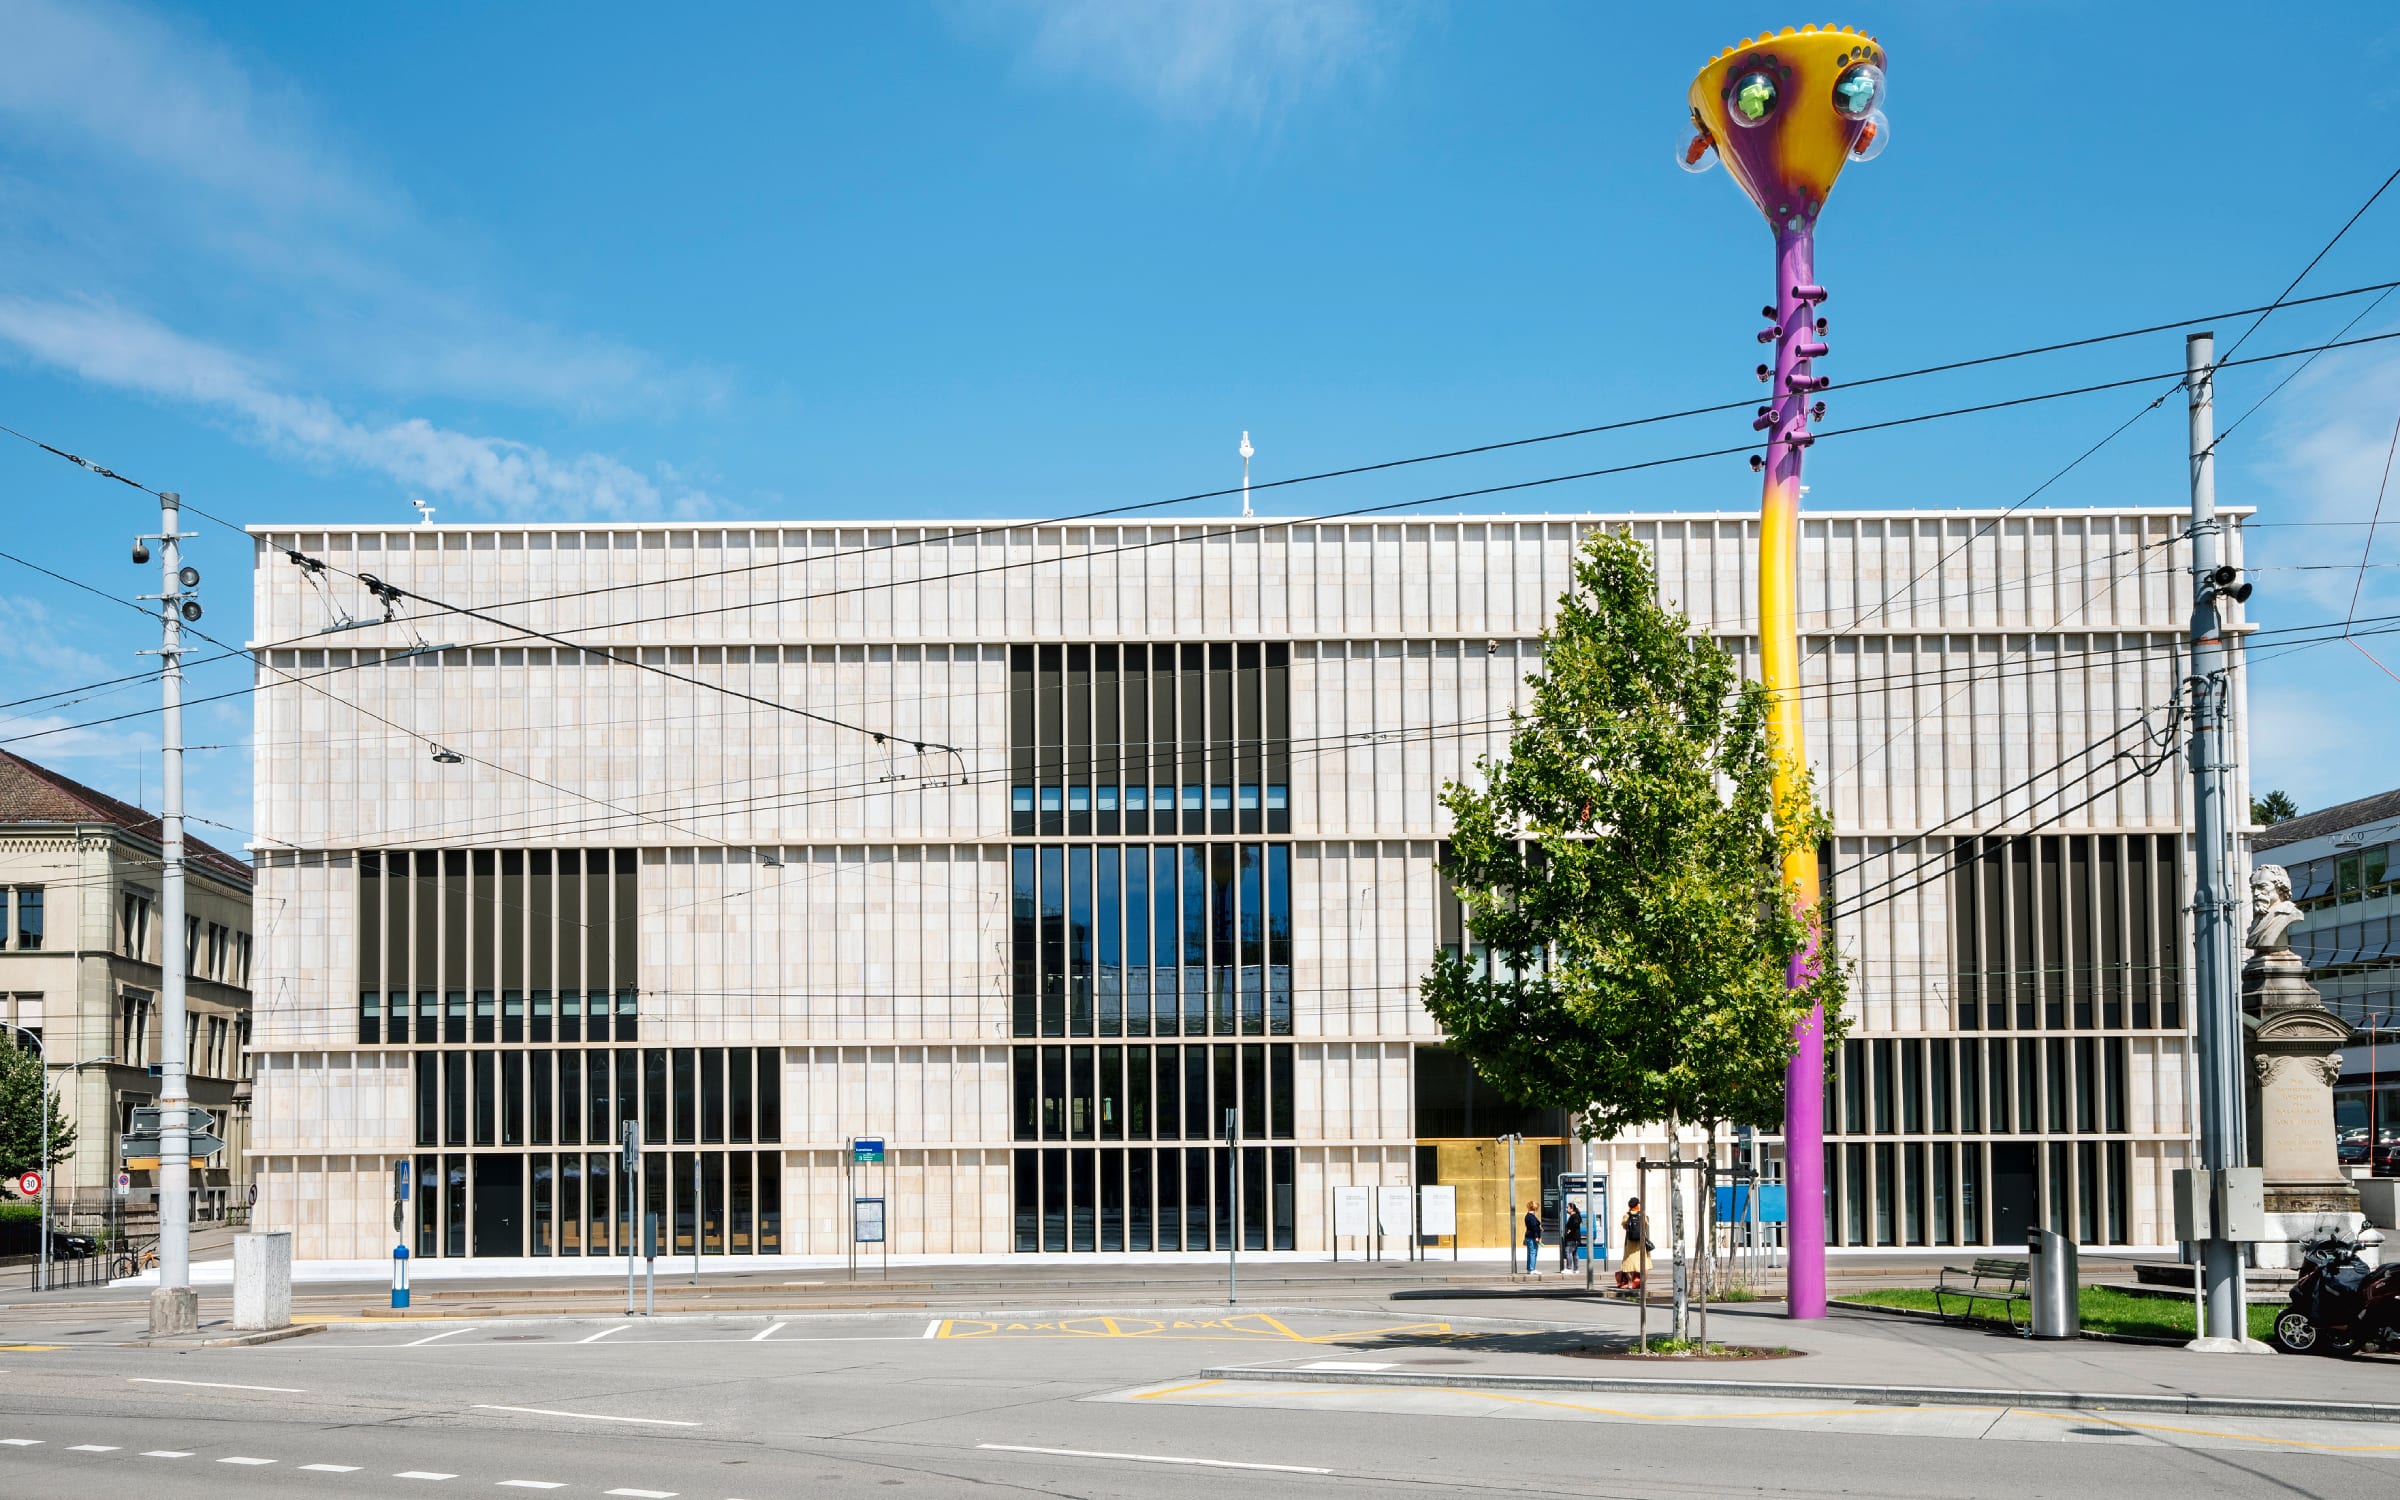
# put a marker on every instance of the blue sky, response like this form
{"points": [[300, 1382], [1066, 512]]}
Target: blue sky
{"points": [[1021, 257]]}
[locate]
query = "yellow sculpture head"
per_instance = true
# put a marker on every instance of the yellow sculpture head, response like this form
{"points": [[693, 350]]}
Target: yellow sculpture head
{"points": [[1786, 112]]}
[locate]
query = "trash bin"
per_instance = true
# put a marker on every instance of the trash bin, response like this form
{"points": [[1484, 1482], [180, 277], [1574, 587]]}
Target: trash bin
{"points": [[2055, 1286]]}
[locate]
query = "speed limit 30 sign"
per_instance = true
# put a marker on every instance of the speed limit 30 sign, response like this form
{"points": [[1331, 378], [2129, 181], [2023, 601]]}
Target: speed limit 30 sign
{"points": [[30, 1185]]}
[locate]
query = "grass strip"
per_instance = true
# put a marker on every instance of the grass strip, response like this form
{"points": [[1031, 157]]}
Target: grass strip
{"points": [[2105, 1310]]}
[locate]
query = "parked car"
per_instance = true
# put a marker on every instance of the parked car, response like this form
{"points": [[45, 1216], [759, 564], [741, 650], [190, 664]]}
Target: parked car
{"points": [[2350, 1149], [2386, 1161]]}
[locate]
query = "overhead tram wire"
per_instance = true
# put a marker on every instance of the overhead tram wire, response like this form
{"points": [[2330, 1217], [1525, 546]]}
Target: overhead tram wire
{"points": [[1229, 526], [2282, 300], [426, 740], [1355, 470], [519, 632], [523, 632], [2286, 300]]}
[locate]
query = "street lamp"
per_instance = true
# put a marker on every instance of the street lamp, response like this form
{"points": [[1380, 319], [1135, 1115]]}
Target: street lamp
{"points": [[42, 1102]]}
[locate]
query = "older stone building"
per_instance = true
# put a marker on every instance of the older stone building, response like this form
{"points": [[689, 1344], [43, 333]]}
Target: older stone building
{"points": [[1032, 849], [80, 967]]}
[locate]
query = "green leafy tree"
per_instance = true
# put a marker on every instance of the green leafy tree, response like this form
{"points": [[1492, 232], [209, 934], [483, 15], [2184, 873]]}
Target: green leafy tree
{"points": [[21, 1096], [2273, 808], [1620, 869]]}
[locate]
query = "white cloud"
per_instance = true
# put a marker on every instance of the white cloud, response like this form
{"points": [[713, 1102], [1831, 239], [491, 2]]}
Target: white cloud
{"points": [[1199, 59], [181, 224], [2321, 463], [114, 346]]}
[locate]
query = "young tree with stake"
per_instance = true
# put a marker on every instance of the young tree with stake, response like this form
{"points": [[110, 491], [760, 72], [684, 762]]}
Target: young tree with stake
{"points": [[1619, 869]]}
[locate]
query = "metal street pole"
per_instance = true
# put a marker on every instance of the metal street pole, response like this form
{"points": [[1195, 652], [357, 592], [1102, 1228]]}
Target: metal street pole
{"points": [[174, 1309], [1591, 1228], [1233, 1141], [1516, 1246], [631, 1196], [2219, 1020]]}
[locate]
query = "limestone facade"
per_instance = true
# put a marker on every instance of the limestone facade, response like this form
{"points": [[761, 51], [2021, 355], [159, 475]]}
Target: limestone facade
{"points": [[800, 741]]}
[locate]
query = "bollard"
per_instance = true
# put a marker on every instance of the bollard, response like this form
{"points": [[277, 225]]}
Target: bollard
{"points": [[262, 1280], [399, 1276]]}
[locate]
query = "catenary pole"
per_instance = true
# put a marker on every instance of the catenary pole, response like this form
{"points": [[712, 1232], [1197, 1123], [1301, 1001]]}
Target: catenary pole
{"points": [[2219, 1011], [172, 1309]]}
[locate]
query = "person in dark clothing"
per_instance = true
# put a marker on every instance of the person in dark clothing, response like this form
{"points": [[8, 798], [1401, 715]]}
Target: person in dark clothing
{"points": [[1636, 1263], [1533, 1238], [1570, 1238]]}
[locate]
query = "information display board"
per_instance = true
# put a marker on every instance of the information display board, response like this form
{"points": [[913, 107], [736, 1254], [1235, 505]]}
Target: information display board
{"points": [[866, 1221], [1353, 1212], [1437, 1210], [1392, 1210]]}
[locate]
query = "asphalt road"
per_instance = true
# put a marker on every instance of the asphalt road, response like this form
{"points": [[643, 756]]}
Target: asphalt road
{"points": [[1093, 1405]]}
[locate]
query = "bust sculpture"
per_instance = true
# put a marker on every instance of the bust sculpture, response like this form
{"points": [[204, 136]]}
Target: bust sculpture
{"points": [[2271, 910], [2294, 1051]]}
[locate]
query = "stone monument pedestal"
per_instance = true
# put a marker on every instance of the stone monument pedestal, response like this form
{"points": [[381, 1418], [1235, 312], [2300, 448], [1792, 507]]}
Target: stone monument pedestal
{"points": [[2294, 1054]]}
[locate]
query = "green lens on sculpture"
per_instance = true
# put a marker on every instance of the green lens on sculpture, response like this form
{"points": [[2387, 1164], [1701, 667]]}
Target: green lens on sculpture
{"points": [[1753, 98], [1858, 91]]}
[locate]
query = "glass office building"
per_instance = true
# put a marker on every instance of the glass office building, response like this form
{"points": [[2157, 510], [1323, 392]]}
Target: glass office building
{"points": [[1092, 869]]}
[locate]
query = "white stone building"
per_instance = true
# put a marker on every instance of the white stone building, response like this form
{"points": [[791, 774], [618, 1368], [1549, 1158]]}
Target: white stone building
{"points": [[1011, 844]]}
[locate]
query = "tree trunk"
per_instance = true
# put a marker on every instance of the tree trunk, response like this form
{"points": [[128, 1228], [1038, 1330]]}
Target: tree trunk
{"points": [[1675, 1228]]}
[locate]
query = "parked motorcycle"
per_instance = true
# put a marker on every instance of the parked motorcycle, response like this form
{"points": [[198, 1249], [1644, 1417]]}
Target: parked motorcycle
{"points": [[2339, 1302]]}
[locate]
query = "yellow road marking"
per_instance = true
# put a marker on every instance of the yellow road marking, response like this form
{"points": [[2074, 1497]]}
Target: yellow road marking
{"points": [[1257, 1327], [1177, 1390], [2239, 1437], [30, 1348]]}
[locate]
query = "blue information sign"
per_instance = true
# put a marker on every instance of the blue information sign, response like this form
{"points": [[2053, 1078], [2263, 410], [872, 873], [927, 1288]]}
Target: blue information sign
{"points": [[1733, 1203], [867, 1151]]}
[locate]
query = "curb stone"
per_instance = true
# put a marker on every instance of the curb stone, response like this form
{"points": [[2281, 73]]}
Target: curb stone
{"points": [[1865, 1395]]}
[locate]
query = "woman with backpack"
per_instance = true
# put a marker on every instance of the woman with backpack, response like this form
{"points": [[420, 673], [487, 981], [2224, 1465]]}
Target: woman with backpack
{"points": [[1636, 1263]]}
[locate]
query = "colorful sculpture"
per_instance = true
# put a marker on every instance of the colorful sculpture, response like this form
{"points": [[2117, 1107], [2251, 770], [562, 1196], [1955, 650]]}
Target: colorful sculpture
{"points": [[1785, 114]]}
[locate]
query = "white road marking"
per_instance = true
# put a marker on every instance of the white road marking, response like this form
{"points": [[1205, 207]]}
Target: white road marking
{"points": [[330, 1468], [587, 1416], [646, 1494], [765, 1333], [20, 1442], [422, 1474], [252, 1462], [445, 1333], [932, 1328], [166, 1453], [93, 1448], [1345, 1364], [531, 1484], [217, 1385], [604, 1333], [1152, 1458]]}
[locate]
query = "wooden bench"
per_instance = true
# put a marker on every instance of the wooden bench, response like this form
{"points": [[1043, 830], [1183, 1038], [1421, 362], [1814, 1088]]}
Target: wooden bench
{"points": [[1991, 1279]]}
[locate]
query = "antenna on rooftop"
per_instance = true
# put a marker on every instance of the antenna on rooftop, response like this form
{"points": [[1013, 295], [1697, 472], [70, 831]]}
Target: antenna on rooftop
{"points": [[1247, 450]]}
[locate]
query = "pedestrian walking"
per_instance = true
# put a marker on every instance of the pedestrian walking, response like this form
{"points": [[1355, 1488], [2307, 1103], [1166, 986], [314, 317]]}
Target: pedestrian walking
{"points": [[1636, 1263], [1533, 1238], [1570, 1237]]}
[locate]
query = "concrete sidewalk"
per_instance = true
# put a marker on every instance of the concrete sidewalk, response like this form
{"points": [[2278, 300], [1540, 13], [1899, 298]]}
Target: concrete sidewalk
{"points": [[1869, 1350]]}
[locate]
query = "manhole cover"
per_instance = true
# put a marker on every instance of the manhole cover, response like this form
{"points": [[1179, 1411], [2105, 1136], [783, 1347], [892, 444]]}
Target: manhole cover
{"points": [[1438, 1361], [2101, 1431], [76, 1333], [521, 1338]]}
